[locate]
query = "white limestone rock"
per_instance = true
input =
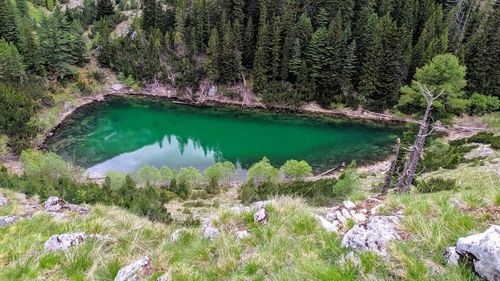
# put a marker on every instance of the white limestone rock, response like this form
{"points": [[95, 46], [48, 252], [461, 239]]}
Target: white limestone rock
{"points": [[210, 232], [3, 201], [373, 236], [64, 241], [328, 226], [57, 205], [7, 220], [260, 216], [137, 270], [177, 234], [349, 205], [242, 234]]}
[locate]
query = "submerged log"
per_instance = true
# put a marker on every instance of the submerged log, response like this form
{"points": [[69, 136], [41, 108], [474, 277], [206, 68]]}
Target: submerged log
{"points": [[392, 169]]}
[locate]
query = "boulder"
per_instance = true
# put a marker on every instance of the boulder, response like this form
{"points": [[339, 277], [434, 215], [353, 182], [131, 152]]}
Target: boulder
{"points": [[67, 240], [137, 270], [3, 201], [482, 151], [260, 216], [210, 232], [349, 205], [117, 87], [64, 241], [58, 205], [372, 236], [328, 226], [242, 234], [6, 220], [481, 250], [177, 234]]}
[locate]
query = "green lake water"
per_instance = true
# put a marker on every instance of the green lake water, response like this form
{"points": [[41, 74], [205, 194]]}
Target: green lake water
{"points": [[123, 134]]}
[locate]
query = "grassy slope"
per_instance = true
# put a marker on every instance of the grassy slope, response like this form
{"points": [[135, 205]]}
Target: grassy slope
{"points": [[291, 247]]}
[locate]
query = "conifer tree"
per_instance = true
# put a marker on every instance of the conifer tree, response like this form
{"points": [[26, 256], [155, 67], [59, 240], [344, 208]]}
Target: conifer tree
{"points": [[8, 26], [230, 56], [276, 47], [104, 8], [212, 62], [261, 65], [22, 6], [149, 14], [11, 63], [289, 38], [30, 48], [249, 46]]}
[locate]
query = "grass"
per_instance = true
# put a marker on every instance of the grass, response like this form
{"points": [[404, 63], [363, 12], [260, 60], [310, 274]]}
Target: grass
{"points": [[292, 246]]}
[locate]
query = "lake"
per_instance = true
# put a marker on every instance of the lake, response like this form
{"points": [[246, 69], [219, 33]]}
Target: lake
{"points": [[125, 133]]}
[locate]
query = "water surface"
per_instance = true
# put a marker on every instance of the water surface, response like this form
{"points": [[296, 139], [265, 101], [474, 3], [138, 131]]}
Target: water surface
{"points": [[123, 134]]}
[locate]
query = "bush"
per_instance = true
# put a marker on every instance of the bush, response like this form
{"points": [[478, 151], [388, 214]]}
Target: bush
{"points": [[440, 154], [148, 174], [220, 172], [296, 170], [348, 181], [41, 165], [262, 172], [481, 104], [435, 184], [97, 75], [116, 179], [190, 177], [166, 175]]}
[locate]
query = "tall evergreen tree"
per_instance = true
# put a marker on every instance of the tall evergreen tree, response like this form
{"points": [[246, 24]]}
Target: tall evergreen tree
{"points": [[249, 46], [149, 14], [213, 58], [104, 8], [381, 74], [8, 26], [22, 6], [12, 68], [30, 48], [230, 55], [261, 65]]}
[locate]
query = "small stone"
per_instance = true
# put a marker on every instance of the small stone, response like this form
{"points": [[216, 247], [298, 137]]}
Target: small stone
{"points": [[210, 232], [177, 234], [166, 277], [136, 270], [117, 87], [242, 234], [349, 205], [346, 214], [340, 217], [451, 256], [3, 201], [331, 217], [6, 220], [458, 204], [328, 226], [64, 241], [260, 216], [57, 205]]}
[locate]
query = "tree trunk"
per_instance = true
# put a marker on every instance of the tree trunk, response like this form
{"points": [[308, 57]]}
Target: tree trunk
{"points": [[416, 150], [390, 173]]}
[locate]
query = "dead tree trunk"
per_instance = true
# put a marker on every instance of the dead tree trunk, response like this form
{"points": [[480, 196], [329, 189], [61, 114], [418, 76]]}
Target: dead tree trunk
{"points": [[392, 169], [417, 148]]}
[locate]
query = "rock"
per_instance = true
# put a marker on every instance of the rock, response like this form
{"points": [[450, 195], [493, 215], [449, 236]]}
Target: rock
{"points": [[261, 204], [482, 151], [64, 241], [212, 91], [117, 87], [242, 234], [331, 217], [375, 209], [340, 217], [166, 277], [372, 236], [328, 226], [6, 220], [3, 201], [210, 232], [359, 218], [260, 216], [483, 251], [349, 205], [137, 270], [451, 256], [57, 205], [346, 214], [68, 240], [238, 209], [458, 204], [177, 234]]}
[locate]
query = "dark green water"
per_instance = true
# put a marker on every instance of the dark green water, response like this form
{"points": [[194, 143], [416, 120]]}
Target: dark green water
{"points": [[123, 134]]}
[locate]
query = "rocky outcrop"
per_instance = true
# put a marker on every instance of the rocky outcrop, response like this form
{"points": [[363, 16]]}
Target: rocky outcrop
{"points": [[137, 270], [328, 226], [56, 205], [373, 236], [3, 201], [65, 241], [481, 151], [260, 216], [7, 220], [481, 250]]}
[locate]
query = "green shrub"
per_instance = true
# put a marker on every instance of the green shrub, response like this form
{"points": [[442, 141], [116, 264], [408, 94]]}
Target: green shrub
{"points": [[166, 175], [435, 184], [487, 138], [220, 173], [262, 172], [189, 177], [440, 154], [148, 174], [49, 165], [296, 170], [116, 179], [481, 104], [348, 181]]}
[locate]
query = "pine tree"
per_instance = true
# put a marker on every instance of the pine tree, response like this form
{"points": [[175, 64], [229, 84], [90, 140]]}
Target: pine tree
{"points": [[381, 75], [8, 26], [261, 66], [12, 68], [276, 47], [482, 55], [22, 6], [30, 48], [212, 61], [149, 14], [104, 8], [289, 38], [362, 33], [249, 46], [230, 56]]}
